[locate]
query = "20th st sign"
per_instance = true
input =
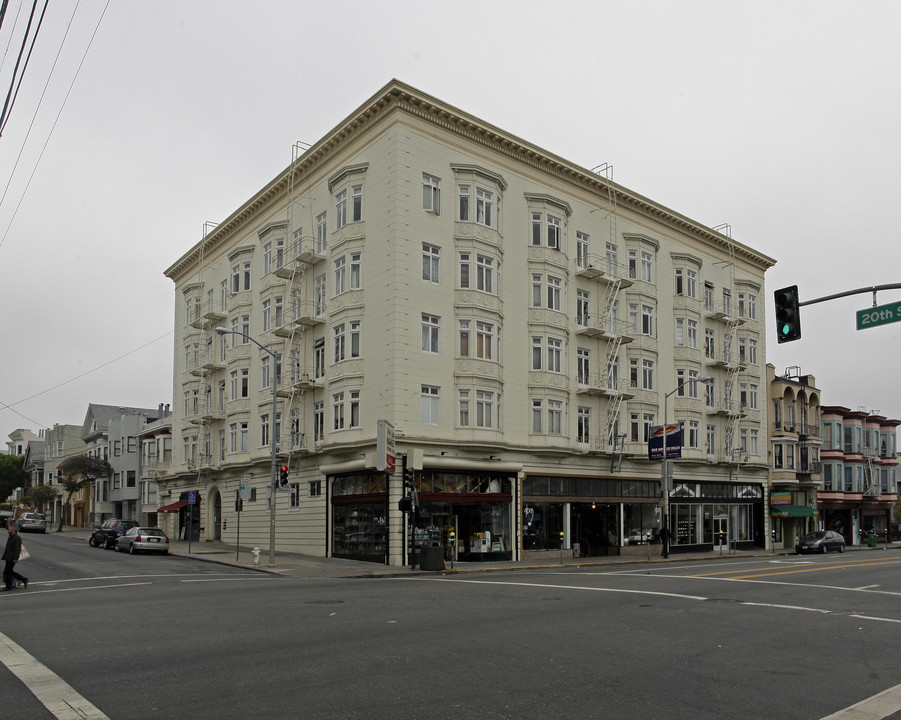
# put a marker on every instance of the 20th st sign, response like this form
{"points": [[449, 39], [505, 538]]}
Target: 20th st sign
{"points": [[879, 315]]}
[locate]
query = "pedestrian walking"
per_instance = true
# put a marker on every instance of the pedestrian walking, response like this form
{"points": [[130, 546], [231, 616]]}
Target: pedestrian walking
{"points": [[664, 538], [11, 557]]}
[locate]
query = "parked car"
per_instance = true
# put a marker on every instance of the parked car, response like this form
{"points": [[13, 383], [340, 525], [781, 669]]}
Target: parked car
{"points": [[821, 541], [106, 534], [5, 517], [143, 539], [31, 521]]}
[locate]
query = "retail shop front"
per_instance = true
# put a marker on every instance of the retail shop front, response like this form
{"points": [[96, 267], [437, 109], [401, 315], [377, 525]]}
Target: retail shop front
{"points": [[359, 527], [710, 515], [475, 505], [593, 516]]}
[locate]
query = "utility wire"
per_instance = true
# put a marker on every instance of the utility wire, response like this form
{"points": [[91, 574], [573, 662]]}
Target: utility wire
{"points": [[4, 115], [49, 135], [40, 102], [10, 406]]}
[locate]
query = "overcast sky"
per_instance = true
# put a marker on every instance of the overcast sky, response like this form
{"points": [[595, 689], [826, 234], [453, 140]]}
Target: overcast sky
{"points": [[778, 118]]}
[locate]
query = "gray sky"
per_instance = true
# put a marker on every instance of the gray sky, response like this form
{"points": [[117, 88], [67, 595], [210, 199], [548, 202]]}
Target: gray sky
{"points": [[778, 118]]}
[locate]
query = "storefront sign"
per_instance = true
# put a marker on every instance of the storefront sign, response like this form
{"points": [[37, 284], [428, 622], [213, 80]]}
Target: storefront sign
{"points": [[385, 450], [780, 498]]}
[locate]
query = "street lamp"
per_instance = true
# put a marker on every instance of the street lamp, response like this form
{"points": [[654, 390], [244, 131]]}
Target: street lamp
{"points": [[666, 467], [272, 427]]}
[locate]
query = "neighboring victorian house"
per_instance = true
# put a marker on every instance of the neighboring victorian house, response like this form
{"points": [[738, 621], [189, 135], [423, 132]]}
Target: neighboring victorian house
{"points": [[860, 482], [110, 432], [794, 442], [61, 442]]}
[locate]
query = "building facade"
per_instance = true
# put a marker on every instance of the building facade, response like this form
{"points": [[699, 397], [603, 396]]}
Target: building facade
{"points": [[859, 468], [62, 441], [519, 323], [110, 432], [795, 441]]}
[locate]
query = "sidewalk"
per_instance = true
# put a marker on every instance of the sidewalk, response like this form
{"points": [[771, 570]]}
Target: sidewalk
{"points": [[306, 566]]}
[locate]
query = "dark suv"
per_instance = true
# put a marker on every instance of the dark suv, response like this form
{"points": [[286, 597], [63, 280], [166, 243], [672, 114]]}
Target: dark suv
{"points": [[105, 535]]}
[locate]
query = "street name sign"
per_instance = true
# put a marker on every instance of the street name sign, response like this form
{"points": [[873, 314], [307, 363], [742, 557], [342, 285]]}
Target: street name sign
{"points": [[879, 315]]}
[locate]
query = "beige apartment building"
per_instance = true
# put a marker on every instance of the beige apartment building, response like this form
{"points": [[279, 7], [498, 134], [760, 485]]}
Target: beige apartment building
{"points": [[518, 323]]}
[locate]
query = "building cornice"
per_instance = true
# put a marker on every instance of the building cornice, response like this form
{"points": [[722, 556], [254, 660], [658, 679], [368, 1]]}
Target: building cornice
{"points": [[398, 97]]}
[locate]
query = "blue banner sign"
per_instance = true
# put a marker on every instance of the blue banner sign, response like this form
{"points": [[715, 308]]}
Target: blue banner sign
{"points": [[673, 442]]}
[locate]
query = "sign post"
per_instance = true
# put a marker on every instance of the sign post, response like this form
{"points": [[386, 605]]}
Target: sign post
{"points": [[192, 501]]}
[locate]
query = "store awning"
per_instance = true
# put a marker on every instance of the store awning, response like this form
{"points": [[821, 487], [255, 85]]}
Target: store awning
{"points": [[174, 507], [792, 511]]}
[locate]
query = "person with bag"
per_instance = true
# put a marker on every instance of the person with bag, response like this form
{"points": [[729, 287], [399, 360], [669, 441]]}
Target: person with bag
{"points": [[11, 554]]}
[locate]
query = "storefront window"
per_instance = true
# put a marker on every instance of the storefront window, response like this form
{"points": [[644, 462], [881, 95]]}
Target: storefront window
{"points": [[360, 530], [542, 524], [482, 529], [641, 524]]}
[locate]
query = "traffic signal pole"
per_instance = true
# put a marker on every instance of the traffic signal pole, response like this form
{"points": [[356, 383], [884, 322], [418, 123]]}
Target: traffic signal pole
{"points": [[787, 302]]}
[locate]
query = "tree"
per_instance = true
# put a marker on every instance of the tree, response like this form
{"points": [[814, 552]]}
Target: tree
{"points": [[77, 472], [41, 495], [12, 474]]}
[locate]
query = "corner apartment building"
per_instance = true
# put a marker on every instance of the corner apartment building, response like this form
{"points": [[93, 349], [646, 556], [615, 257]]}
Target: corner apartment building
{"points": [[520, 322], [860, 472]]}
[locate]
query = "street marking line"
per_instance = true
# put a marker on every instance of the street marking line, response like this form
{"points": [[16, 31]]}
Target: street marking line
{"points": [[31, 593], [50, 689], [875, 707], [567, 587], [229, 579], [789, 607], [815, 568], [878, 619], [680, 596]]}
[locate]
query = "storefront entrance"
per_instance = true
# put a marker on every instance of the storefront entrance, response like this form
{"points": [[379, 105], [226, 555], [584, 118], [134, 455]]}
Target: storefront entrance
{"points": [[595, 527], [721, 531]]}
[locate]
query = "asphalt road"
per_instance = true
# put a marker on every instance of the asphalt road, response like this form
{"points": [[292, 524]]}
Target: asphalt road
{"points": [[164, 637]]}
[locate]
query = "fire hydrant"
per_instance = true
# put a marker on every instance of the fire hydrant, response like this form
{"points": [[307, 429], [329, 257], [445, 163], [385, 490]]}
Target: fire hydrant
{"points": [[256, 555]]}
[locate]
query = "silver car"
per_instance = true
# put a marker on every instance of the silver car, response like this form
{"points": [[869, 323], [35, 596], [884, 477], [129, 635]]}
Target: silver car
{"points": [[33, 522], [143, 539]]}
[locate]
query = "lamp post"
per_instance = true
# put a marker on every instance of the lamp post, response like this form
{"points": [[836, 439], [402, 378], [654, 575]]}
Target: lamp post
{"points": [[666, 467], [272, 427]]}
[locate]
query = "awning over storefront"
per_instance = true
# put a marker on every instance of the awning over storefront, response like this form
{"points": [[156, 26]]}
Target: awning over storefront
{"points": [[174, 507], [792, 511]]}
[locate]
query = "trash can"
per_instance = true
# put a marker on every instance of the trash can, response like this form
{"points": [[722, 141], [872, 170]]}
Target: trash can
{"points": [[872, 539], [431, 557]]}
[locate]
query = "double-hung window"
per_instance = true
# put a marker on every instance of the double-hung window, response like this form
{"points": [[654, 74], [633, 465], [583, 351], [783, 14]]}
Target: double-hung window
{"points": [[430, 410], [341, 209], [431, 194], [554, 355], [485, 409], [431, 326], [431, 263], [356, 199], [340, 347], [484, 340], [340, 275], [356, 271], [484, 273]]}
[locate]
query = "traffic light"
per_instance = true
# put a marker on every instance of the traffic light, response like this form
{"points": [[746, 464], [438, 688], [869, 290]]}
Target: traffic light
{"points": [[788, 316], [409, 477], [283, 474], [405, 504]]}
